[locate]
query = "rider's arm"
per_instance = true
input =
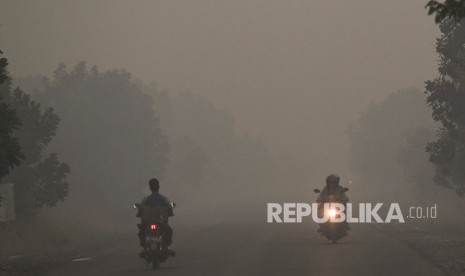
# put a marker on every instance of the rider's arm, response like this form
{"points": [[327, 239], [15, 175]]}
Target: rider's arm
{"points": [[170, 208], [143, 202], [342, 195], [321, 196]]}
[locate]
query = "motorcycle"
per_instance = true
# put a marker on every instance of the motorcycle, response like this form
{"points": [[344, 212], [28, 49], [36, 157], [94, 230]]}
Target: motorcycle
{"points": [[332, 230], [153, 218]]}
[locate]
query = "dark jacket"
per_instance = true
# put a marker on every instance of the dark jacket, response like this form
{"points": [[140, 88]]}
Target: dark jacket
{"points": [[337, 191], [156, 199]]}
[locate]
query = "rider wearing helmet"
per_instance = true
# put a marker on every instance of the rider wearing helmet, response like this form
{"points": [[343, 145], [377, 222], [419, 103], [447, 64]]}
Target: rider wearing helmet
{"points": [[333, 188]]}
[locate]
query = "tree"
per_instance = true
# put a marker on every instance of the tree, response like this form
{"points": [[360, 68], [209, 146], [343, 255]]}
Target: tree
{"points": [[450, 9], [207, 155], [109, 134], [446, 97], [378, 135], [10, 153], [417, 170], [186, 167], [40, 179]]}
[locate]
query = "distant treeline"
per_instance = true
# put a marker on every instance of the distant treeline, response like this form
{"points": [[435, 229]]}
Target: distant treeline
{"points": [[115, 133]]}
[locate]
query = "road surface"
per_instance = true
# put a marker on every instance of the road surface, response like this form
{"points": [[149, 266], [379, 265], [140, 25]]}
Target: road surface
{"points": [[261, 249]]}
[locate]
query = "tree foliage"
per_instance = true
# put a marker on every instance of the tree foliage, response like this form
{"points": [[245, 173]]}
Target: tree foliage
{"points": [[40, 180], [449, 9], [378, 135], [446, 97], [10, 152], [414, 160], [109, 132], [207, 155]]}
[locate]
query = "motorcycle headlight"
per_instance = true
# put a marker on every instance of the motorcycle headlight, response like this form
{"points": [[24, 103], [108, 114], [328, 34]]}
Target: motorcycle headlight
{"points": [[332, 213]]}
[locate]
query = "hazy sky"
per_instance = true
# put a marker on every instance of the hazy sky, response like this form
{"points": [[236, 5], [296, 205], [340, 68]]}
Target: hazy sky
{"points": [[293, 72]]}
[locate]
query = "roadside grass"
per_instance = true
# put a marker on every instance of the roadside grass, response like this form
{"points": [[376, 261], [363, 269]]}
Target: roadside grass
{"points": [[441, 244]]}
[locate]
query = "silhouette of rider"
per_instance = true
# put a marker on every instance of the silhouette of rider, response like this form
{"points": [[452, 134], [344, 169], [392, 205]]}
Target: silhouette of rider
{"points": [[156, 199], [333, 188]]}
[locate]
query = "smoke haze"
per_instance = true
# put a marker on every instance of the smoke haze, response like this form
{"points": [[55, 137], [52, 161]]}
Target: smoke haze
{"points": [[292, 72]]}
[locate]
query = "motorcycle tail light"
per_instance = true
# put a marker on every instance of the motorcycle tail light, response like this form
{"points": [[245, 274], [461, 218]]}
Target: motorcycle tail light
{"points": [[153, 227]]}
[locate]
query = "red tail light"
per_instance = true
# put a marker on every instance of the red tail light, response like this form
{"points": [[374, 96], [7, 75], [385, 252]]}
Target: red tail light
{"points": [[153, 227]]}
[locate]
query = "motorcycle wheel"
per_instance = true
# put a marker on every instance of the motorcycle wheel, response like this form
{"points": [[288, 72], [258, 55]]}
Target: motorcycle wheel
{"points": [[155, 263], [155, 260]]}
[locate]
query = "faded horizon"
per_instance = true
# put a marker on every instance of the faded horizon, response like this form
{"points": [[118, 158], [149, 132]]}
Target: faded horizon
{"points": [[240, 109], [276, 65]]}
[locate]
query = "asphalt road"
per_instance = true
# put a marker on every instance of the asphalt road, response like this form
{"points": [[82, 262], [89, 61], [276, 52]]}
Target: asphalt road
{"points": [[261, 249]]}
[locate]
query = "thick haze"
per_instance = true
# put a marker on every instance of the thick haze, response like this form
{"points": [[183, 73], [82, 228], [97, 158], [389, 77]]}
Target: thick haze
{"points": [[231, 104], [292, 72]]}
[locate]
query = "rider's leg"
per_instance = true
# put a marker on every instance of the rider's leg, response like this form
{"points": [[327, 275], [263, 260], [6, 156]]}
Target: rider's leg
{"points": [[141, 236], [168, 240]]}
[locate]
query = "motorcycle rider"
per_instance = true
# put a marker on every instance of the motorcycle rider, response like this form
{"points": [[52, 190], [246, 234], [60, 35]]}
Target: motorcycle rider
{"points": [[156, 199], [333, 188], [332, 192]]}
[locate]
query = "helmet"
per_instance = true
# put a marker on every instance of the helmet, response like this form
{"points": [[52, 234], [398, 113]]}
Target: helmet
{"points": [[332, 179]]}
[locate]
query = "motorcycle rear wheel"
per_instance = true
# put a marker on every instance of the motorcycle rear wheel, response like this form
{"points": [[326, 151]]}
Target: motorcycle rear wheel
{"points": [[155, 262], [153, 257]]}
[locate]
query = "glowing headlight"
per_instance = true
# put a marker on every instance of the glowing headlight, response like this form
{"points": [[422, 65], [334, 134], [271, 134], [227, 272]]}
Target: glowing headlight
{"points": [[332, 213]]}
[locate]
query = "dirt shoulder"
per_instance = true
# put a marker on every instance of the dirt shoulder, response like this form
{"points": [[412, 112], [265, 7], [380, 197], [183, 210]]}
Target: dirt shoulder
{"points": [[443, 245]]}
